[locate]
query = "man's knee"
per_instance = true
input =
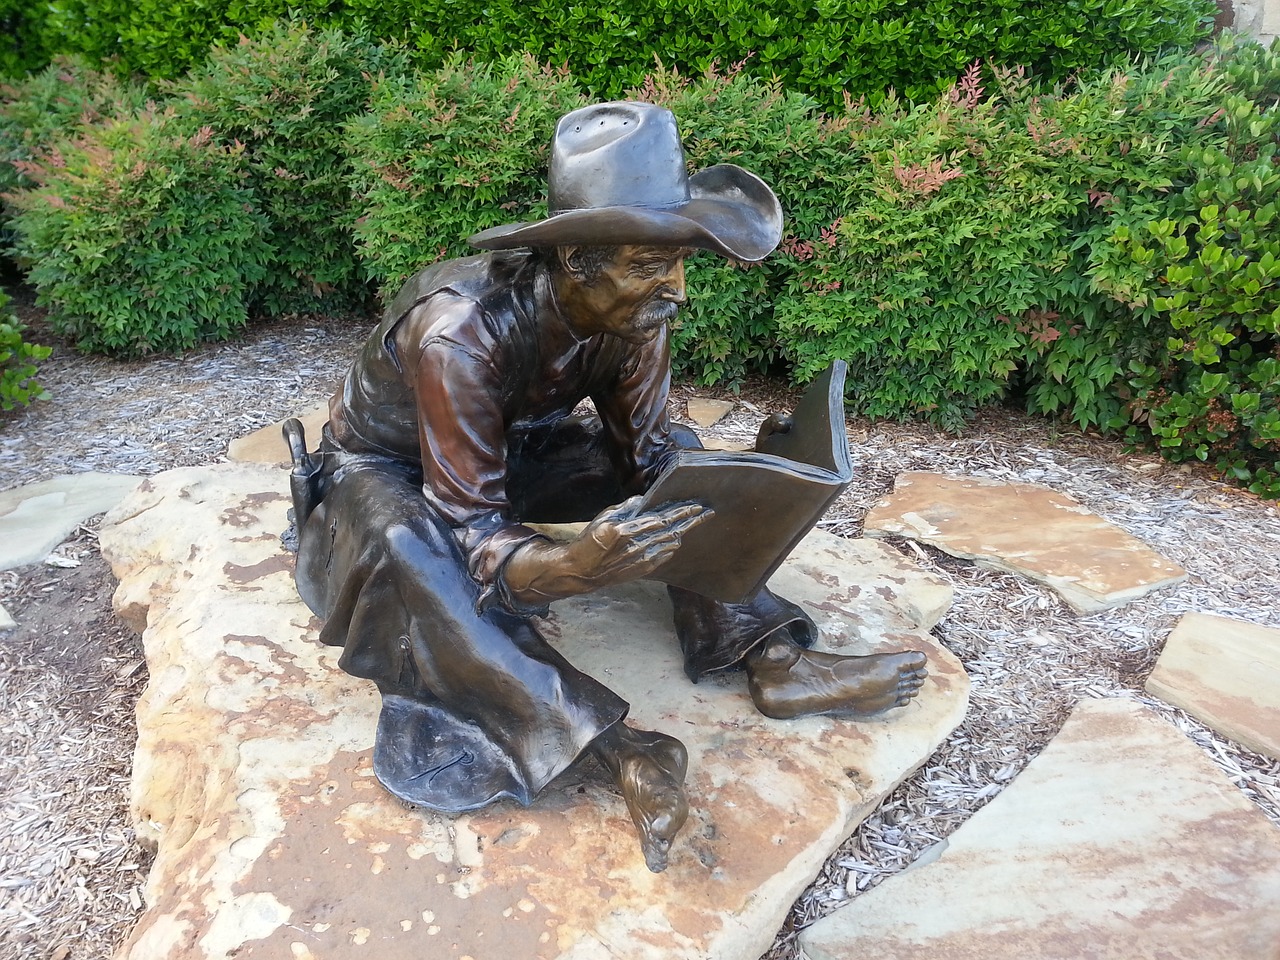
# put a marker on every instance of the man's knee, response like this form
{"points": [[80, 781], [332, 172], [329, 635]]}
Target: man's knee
{"points": [[684, 437]]}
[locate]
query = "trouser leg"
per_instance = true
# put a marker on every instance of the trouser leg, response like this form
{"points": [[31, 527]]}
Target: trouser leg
{"points": [[476, 705]]}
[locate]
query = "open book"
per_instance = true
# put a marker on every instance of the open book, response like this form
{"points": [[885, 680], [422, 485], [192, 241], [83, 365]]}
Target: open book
{"points": [[764, 501]]}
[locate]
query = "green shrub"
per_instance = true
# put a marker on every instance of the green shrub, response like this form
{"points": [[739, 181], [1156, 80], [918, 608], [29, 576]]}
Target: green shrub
{"points": [[140, 239], [285, 95], [1131, 129], [50, 104], [951, 222], [441, 156], [155, 38], [24, 40], [18, 359], [1213, 272], [822, 48], [963, 253]]}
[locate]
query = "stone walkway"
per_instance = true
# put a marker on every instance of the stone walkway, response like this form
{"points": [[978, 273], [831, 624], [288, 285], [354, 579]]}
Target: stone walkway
{"points": [[1027, 529], [1194, 868], [1120, 840]]}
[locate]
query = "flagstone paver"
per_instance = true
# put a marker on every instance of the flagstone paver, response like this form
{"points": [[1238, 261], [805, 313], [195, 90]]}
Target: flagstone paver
{"points": [[1227, 673], [36, 518], [266, 445], [706, 413], [1120, 841], [1026, 529], [253, 775]]}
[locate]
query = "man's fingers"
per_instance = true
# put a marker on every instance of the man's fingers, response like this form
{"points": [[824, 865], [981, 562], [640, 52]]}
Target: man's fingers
{"points": [[640, 526], [658, 544], [650, 523], [639, 544], [655, 555], [684, 526], [679, 511]]}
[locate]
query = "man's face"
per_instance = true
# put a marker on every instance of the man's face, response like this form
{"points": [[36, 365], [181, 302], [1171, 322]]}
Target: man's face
{"points": [[632, 296]]}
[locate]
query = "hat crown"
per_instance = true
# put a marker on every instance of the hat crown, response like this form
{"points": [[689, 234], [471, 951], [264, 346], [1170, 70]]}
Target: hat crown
{"points": [[622, 154]]}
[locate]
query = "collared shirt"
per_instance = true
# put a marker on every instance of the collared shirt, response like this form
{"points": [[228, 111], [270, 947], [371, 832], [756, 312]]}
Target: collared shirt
{"points": [[468, 350]]}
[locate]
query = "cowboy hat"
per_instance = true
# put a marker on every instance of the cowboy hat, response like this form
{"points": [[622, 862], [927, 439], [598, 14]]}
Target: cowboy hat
{"points": [[618, 176]]}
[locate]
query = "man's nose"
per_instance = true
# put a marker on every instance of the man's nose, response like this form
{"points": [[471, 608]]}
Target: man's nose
{"points": [[674, 283]]}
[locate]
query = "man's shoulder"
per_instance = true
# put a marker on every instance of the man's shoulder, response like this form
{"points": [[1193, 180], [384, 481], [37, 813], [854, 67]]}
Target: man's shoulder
{"points": [[480, 278]]}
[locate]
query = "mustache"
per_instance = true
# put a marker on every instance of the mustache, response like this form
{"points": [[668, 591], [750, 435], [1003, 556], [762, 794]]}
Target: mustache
{"points": [[657, 312]]}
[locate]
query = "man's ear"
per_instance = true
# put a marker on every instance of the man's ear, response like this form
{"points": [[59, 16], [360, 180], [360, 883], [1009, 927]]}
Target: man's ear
{"points": [[568, 257]]}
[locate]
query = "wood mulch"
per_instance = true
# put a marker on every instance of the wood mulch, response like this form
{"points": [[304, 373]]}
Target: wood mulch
{"points": [[71, 872]]}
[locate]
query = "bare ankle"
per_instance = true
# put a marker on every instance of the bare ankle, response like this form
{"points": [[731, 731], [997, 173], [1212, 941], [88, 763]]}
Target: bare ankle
{"points": [[608, 746]]}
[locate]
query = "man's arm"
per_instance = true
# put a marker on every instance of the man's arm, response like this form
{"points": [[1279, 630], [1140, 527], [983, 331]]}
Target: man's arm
{"points": [[461, 428]]}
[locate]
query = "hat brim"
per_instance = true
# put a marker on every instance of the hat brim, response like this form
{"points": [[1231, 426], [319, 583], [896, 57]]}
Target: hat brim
{"points": [[730, 211]]}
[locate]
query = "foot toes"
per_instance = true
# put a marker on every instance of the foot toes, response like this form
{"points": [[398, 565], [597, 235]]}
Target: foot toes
{"points": [[656, 855]]}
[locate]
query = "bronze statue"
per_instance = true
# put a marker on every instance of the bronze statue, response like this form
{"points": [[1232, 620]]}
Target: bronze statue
{"points": [[454, 426]]}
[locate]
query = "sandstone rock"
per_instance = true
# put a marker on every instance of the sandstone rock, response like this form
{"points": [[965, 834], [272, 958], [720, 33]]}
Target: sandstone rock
{"points": [[1224, 672], [1120, 841], [706, 413], [728, 446], [266, 445], [36, 518], [1026, 529], [253, 774]]}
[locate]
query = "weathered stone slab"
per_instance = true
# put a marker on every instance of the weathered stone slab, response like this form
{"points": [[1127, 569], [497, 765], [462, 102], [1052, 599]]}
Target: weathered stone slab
{"points": [[1025, 529], [1224, 672], [707, 413], [36, 518], [253, 769], [266, 444], [727, 446], [1120, 841]]}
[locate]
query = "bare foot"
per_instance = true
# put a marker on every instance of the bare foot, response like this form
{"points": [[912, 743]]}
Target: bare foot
{"points": [[786, 681], [649, 768]]}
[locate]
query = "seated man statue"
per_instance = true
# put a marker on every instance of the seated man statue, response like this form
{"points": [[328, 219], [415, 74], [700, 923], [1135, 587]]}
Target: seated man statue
{"points": [[455, 426]]}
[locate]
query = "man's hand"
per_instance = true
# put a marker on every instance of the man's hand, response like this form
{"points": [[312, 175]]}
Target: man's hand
{"points": [[617, 546]]}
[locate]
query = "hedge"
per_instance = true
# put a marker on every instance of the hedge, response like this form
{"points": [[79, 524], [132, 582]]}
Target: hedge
{"points": [[284, 96], [141, 239], [1102, 251], [826, 49]]}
